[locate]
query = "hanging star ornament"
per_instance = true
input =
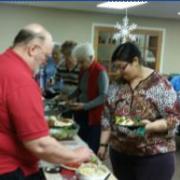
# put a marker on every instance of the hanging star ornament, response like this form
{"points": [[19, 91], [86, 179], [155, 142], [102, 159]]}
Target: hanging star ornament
{"points": [[124, 30]]}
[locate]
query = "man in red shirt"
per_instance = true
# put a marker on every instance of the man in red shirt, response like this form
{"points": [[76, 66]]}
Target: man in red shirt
{"points": [[24, 133]]}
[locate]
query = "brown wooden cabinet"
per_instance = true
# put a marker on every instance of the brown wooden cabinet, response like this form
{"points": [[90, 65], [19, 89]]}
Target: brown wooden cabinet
{"points": [[149, 42]]}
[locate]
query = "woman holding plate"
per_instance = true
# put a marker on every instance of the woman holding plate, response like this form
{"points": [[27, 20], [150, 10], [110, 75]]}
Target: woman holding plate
{"points": [[143, 148]]}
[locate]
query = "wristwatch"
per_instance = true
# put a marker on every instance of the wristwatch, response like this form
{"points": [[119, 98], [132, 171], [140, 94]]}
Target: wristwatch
{"points": [[104, 145]]}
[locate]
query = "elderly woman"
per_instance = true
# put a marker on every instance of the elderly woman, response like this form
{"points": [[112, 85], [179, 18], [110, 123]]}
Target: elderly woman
{"points": [[93, 86], [144, 153]]}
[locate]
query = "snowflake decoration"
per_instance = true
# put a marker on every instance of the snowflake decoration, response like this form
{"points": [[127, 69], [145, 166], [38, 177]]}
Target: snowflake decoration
{"points": [[124, 30]]}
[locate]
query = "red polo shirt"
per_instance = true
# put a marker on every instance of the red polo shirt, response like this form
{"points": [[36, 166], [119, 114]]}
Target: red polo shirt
{"points": [[21, 114]]}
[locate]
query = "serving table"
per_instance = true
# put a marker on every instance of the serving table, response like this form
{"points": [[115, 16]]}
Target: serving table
{"points": [[76, 142]]}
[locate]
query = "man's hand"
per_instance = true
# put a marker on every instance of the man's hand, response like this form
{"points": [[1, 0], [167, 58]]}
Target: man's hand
{"points": [[83, 154], [48, 149]]}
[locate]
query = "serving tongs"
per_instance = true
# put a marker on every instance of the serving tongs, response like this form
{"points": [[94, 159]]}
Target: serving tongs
{"points": [[52, 170]]}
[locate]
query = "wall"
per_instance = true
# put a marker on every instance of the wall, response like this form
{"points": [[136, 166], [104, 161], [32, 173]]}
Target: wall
{"points": [[78, 26]]}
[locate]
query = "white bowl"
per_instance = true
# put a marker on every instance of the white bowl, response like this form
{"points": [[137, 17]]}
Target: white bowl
{"points": [[93, 177], [92, 171]]}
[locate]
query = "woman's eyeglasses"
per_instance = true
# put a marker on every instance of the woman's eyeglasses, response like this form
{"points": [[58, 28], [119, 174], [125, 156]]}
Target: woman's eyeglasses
{"points": [[119, 67]]}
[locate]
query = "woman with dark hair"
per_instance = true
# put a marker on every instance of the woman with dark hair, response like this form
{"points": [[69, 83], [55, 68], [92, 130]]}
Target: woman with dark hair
{"points": [[142, 153]]}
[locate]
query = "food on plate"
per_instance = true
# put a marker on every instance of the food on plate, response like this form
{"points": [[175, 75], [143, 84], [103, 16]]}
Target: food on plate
{"points": [[123, 120], [54, 121], [76, 165], [53, 118], [127, 121], [62, 128], [88, 171], [64, 132], [93, 171], [64, 122], [94, 160]]}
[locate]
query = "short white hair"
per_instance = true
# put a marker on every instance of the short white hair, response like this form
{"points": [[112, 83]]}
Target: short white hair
{"points": [[83, 51]]}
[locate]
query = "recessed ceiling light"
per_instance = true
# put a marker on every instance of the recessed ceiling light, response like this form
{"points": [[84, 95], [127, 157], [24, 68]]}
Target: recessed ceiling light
{"points": [[178, 13], [120, 4]]}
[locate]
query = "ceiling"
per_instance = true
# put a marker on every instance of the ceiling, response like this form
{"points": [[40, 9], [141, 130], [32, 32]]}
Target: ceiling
{"points": [[166, 9]]}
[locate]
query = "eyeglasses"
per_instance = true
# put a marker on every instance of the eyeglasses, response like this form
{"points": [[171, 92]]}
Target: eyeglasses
{"points": [[119, 67]]}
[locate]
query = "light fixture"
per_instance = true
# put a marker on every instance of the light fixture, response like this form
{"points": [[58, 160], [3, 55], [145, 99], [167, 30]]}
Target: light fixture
{"points": [[120, 4], [178, 13], [124, 31]]}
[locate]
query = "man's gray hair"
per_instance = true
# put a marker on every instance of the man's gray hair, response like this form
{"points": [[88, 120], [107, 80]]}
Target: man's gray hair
{"points": [[84, 51], [31, 32]]}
